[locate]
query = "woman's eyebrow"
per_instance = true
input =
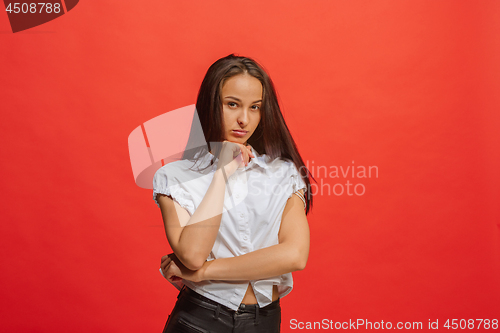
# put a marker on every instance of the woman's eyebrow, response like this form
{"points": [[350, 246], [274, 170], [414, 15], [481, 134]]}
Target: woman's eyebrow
{"points": [[239, 100]]}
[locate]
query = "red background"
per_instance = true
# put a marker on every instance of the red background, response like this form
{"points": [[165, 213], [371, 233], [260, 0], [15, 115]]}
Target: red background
{"points": [[408, 86]]}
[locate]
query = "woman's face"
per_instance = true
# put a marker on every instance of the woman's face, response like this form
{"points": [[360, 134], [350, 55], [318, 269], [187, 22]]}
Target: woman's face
{"points": [[241, 102]]}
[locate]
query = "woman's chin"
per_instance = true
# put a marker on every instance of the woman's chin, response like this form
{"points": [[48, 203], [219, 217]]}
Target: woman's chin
{"points": [[236, 140]]}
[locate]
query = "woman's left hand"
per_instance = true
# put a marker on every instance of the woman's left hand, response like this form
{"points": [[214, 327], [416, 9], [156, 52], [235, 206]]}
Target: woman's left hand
{"points": [[174, 270]]}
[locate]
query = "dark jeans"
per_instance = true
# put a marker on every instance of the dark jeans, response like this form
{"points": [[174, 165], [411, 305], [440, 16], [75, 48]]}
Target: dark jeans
{"points": [[196, 313]]}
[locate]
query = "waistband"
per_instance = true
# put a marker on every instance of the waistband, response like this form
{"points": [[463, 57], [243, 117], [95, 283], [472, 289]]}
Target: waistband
{"points": [[243, 308]]}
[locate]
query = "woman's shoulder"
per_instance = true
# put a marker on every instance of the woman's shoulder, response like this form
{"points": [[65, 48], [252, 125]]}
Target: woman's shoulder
{"points": [[171, 168]]}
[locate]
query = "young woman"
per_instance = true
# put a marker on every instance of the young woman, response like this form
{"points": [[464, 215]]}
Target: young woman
{"points": [[235, 219]]}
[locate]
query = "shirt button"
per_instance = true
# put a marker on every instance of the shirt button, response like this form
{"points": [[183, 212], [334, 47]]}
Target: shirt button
{"points": [[245, 237], [242, 215], [237, 196]]}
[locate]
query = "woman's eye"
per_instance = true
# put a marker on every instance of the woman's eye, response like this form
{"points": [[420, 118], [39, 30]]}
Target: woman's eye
{"points": [[231, 104], [256, 107]]}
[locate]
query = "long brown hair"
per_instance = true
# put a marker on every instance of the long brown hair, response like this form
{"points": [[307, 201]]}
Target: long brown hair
{"points": [[271, 137]]}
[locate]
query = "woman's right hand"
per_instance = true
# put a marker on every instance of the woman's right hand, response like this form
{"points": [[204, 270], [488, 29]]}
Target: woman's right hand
{"points": [[233, 156]]}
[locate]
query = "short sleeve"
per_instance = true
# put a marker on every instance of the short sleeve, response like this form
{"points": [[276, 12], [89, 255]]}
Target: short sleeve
{"points": [[162, 185], [296, 181]]}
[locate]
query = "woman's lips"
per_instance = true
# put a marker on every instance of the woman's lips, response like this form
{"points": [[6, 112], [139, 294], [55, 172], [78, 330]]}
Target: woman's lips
{"points": [[239, 133]]}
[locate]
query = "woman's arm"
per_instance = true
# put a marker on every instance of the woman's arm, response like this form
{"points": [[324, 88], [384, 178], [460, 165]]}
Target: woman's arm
{"points": [[192, 237], [288, 256]]}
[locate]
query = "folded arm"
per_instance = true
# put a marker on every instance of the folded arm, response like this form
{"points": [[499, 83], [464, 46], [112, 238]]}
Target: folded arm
{"points": [[192, 237], [288, 256]]}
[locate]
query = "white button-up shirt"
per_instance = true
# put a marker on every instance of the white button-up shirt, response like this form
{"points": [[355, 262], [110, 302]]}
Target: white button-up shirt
{"points": [[254, 201]]}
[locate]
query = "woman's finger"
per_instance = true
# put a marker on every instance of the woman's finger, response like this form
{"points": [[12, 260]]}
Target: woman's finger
{"points": [[166, 262], [248, 154], [244, 153], [240, 158], [166, 268], [171, 271], [165, 259], [250, 151], [163, 264]]}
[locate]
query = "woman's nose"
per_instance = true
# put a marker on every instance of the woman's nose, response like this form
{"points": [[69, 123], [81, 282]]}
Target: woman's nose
{"points": [[243, 118]]}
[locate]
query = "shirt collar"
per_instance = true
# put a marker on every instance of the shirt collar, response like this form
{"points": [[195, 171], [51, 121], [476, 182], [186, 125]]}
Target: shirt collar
{"points": [[260, 160]]}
